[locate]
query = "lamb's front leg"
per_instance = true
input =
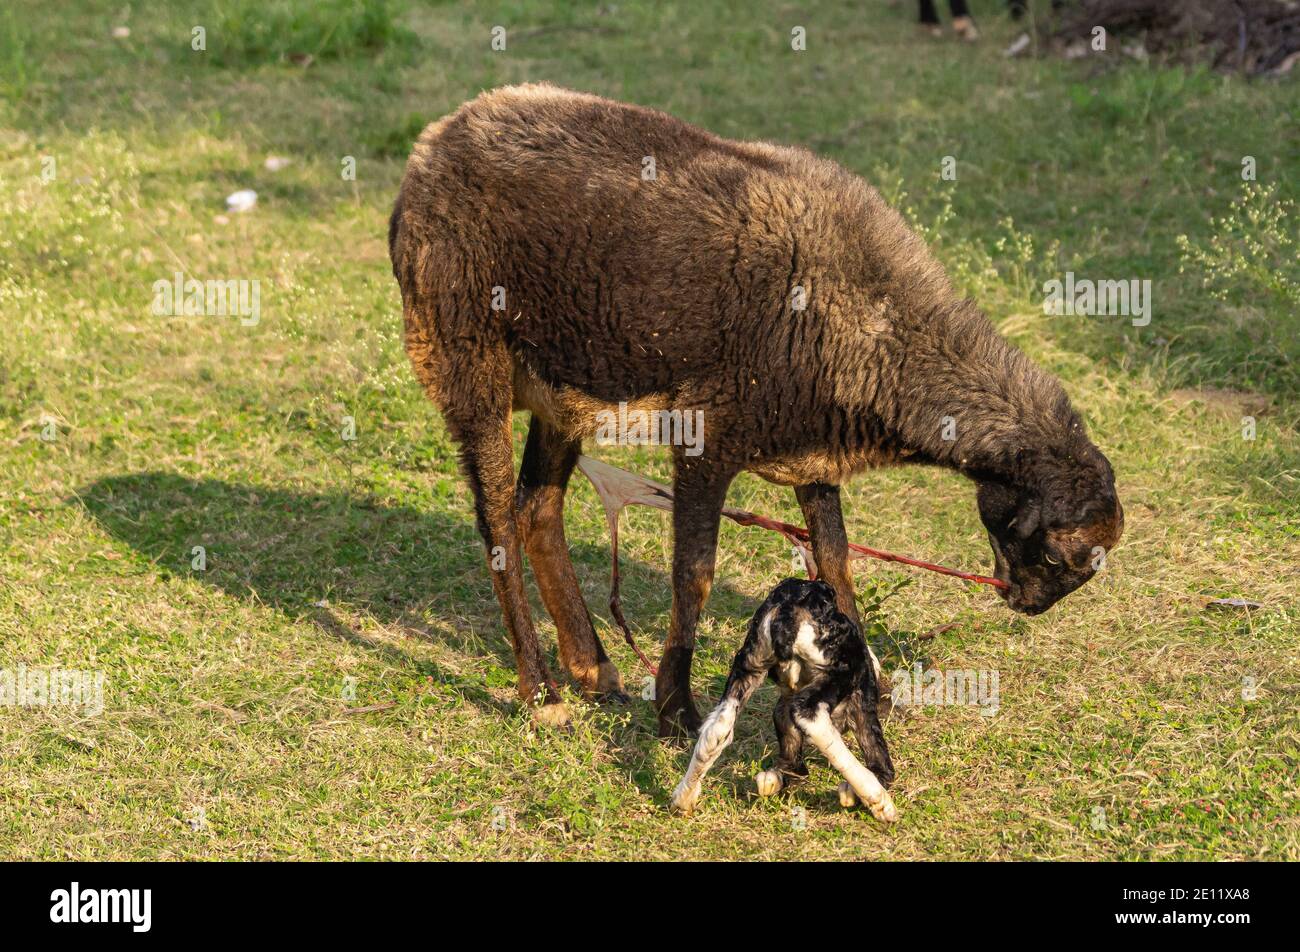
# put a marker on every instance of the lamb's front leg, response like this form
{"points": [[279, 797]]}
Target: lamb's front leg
{"points": [[715, 734], [747, 672], [813, 715]]}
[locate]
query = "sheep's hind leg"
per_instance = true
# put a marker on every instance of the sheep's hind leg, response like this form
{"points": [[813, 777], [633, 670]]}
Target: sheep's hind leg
{"points": [[483, 432], [539, 504]]}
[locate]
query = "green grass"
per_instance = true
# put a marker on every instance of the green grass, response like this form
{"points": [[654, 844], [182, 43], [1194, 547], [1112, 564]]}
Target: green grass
{"points": [[247, 32], [231, 728]]}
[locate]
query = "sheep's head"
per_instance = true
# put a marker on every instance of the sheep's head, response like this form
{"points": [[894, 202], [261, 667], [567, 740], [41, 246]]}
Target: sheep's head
{"points": [[1052, 533]]}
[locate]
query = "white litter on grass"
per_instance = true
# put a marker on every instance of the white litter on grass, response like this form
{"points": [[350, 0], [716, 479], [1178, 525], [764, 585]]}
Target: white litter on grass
{"points": [[1076, 50], [241, 201], [121, 32], [1020, 44], [1224, 603], [275, 163]]}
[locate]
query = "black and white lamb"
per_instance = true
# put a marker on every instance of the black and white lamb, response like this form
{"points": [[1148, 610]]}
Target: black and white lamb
{"points": [[818, 658]]}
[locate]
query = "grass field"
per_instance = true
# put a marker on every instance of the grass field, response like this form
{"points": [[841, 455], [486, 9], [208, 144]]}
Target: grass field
{"points": [[336, 682]]}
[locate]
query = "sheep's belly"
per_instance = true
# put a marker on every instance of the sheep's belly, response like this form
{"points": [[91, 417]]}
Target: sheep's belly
{"points": [[833, 469], [579, 415]]}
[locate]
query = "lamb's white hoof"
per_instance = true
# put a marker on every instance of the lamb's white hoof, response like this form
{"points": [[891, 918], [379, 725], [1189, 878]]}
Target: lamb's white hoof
{"points": [[684, 799], [848, 799], [884, 810], [768, 782]]}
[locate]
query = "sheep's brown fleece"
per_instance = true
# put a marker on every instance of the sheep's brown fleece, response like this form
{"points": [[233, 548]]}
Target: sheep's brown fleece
{"points": [[679, 292]]}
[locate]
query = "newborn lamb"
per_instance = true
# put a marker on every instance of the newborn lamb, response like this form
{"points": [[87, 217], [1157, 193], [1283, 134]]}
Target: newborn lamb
{"points": [[816, 654]]}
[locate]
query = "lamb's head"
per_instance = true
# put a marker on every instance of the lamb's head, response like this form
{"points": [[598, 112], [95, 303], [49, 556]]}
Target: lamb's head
{"points": [[1052, 528]]}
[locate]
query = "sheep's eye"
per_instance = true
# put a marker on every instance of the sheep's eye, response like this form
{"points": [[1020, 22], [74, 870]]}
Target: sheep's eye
{"points": [[1049, 560]]}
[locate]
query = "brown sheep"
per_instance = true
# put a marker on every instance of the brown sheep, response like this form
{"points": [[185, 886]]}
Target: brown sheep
{"points": [[562, 253]]}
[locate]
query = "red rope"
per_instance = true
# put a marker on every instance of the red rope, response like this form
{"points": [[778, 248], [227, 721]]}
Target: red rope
{"points": [[618, 488], [799, 533]]}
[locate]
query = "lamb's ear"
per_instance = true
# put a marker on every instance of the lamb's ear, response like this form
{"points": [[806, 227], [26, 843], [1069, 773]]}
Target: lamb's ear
{"points": [[1028, 517]]}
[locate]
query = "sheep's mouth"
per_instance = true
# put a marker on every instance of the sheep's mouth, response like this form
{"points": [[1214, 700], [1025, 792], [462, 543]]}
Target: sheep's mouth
{"points": [[1002, 570], [1013, 594], [1024, 609]]}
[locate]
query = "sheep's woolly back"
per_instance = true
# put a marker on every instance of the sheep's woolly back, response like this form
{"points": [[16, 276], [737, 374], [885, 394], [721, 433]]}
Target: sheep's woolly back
{"points": [[766, 287]]}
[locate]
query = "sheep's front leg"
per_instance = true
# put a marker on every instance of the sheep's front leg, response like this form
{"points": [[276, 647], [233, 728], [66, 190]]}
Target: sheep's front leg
{"points": [[699, 492], [820, 504], [747, 672], [813, 715]]}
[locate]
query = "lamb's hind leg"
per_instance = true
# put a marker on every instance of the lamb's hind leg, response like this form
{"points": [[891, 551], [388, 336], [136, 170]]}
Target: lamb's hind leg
{"points": [[870, 735], [543, 477], [812, 712], [871, 741], [789, 764]]}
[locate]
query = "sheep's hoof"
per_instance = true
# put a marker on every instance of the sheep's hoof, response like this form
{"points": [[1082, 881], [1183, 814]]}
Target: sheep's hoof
{"points": [[768, 782], [848, 799], [680, 726], [551, 715], [606, 686], [884, 810]]}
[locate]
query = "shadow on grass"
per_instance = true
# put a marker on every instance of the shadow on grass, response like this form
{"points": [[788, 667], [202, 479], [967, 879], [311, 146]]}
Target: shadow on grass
{"points": [[300, 553]]}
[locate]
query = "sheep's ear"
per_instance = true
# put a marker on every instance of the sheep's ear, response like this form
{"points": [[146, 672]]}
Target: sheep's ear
{"points": [[1028, 517], [996, 504]]}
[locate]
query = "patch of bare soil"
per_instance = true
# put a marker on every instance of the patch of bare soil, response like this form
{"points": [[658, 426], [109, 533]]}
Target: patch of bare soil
{"points": [[1256, 37], [1229, 402]]}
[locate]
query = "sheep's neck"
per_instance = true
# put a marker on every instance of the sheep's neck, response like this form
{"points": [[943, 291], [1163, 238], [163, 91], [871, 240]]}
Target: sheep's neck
{"points": [[983, 409]]}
